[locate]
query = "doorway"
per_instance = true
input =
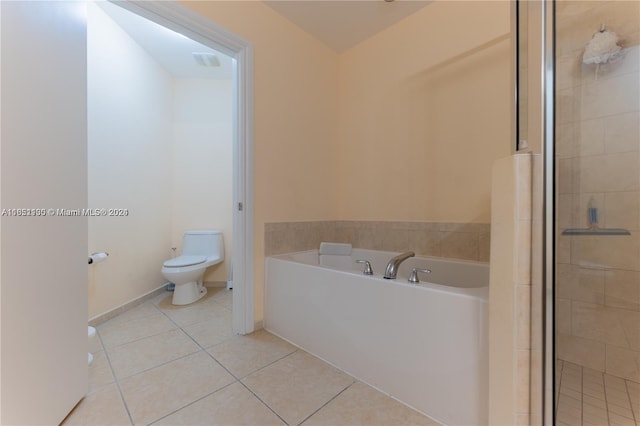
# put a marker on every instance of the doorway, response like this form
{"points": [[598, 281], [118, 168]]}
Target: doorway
{"points": [[181, 20]]}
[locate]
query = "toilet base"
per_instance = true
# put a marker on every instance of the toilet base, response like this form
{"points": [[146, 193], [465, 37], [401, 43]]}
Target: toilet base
{"points": [[188, 293]]}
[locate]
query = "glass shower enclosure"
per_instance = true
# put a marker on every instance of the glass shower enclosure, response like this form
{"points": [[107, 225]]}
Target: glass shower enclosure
{"points": [[592, 160]]}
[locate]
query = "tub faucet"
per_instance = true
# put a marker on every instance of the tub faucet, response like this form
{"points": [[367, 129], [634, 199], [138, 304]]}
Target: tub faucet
{"points": [[392, 267]]}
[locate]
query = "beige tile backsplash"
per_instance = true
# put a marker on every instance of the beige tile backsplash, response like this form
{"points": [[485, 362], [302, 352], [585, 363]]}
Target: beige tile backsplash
{"points": [[598, 158], [469, 241]]}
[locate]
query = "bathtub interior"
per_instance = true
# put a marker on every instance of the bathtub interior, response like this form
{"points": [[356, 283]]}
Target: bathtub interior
{"points": [[445, 272]]}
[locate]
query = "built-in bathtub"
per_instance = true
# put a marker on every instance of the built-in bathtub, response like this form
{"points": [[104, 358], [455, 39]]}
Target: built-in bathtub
{"points": [[424, 344]]}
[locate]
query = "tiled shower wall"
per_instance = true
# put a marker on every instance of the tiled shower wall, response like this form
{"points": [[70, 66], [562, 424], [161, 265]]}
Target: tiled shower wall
{"points": [[468, 241], [597, 150]]}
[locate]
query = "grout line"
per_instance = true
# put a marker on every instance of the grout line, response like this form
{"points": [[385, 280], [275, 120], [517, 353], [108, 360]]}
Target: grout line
{"points": [[156, 366], [237, 380], [327, 403], [581, 396], [251, 372], [141, 338], [117, 382], [633, 414], [270, 364], [193, 402], [265, 404], [604, 387], [558, 390]]}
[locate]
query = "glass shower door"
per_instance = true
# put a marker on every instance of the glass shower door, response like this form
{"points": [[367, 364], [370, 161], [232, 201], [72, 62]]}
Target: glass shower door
{"points": [[597, 196]]}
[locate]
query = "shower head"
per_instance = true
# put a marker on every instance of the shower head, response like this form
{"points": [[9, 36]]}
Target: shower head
{"points": [[602, 47]]}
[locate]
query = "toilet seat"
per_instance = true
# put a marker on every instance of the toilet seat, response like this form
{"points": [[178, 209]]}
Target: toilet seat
{"points": [[182, 261]]}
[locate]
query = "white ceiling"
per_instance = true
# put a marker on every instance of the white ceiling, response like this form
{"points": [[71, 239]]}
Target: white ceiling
{"points": [[171, 50], [341, 24]]}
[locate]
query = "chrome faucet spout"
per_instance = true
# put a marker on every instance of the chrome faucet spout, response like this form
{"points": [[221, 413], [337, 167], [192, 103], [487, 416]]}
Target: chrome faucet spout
{"points": [[391, 271]]}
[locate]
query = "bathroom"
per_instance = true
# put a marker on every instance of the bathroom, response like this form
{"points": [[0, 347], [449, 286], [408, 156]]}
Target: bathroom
{"points": [[159, 145], [364, 145]]}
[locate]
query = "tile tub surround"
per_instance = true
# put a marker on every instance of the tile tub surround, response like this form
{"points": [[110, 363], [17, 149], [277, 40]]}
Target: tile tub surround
{"points": [[467, 241], [598, 158], [181, 365]]}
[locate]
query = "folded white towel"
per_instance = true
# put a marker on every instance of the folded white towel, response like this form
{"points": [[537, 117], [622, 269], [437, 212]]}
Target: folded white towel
{"points": [[338, 249]]}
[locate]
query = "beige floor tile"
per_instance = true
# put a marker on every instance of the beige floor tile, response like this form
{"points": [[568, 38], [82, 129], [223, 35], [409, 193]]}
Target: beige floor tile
{"points": [[588, 422], [137, 312], [570, 393], [233, 405], [156, 300], [616, 420], [213, 331], [118, 332], [570, 385], [612, 382], [131, 358], [296, 386], [569, 417], [155, 393], [183, 315], [595, 393], [606, 399], [594, 402], [246, 354], [99, 372], [362, 405], [223, 297], [103, 407], [570, 402], [594, 414], [619, 399], [621, 411]]}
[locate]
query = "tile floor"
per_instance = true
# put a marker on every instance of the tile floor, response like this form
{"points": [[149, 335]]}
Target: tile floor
{"points": [[168, 365], [590, 397]]}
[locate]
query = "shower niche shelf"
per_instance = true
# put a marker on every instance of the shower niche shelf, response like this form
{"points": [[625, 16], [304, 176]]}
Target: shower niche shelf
{"points": [[594, 230]]}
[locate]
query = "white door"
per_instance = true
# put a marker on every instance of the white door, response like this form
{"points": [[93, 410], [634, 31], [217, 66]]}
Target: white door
{"points": [[43, 165]]}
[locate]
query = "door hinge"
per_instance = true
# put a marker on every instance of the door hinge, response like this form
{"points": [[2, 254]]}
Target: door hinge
{"points": [[239, 206]]}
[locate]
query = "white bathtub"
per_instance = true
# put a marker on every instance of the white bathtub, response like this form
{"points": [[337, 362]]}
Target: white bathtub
{"points": [[424, 344]]}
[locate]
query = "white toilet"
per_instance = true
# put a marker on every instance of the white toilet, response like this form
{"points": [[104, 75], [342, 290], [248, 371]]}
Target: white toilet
{"points": [[200, 249]]}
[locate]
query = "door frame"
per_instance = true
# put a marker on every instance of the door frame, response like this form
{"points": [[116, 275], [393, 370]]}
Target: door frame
{"points": [[177, 17]]}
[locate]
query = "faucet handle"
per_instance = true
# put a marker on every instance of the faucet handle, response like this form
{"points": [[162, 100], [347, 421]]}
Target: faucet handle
{"points": [[367, 267], [413, 277]]}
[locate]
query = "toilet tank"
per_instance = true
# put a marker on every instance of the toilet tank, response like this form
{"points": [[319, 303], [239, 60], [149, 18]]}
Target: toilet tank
{"points": [[207, 242]]}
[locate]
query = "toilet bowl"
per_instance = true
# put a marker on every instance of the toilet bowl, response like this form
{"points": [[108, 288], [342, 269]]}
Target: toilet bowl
{"points": [[200, 250]]}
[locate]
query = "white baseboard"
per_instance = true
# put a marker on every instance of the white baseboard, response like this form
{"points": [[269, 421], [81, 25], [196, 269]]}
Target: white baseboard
{"points": [[99, 319], [215, 284]]}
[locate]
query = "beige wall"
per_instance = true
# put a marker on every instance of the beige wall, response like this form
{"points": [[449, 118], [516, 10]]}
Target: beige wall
{"points": [[129, 158], [295, 114], [598, 141], [397, 128], [420, 118], [202, 163]]}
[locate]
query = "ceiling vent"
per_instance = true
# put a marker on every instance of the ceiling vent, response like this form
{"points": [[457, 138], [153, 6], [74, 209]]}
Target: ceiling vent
{"points": [[206, 59]]}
